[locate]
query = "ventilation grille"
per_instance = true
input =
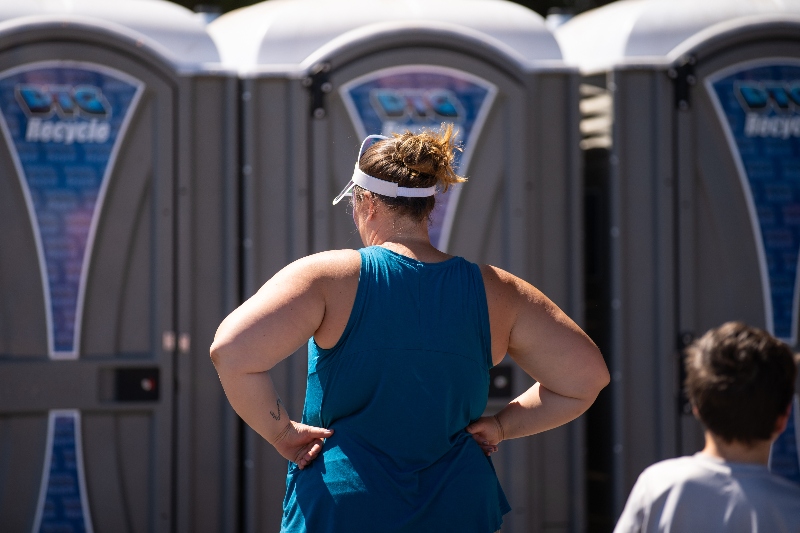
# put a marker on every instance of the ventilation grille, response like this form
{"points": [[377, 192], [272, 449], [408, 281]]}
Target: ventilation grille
{"points": [[596, 117]]}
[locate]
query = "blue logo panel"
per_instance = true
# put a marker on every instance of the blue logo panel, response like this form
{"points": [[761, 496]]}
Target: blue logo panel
{"points": [[415, 97], [759, 106], [63, 122], [63, 505]]}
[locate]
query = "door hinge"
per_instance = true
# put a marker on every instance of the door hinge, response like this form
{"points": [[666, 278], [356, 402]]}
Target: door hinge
{"points": [[682, 73], [318, 83], [184, 343], [168, 341]]}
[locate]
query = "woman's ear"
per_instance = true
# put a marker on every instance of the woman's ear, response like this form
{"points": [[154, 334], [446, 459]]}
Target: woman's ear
{"points": [[371, 205]]}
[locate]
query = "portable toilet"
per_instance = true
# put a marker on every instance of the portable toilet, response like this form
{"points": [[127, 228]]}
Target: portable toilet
{"points": [[117, 189], [690, 138], [317, 77]]}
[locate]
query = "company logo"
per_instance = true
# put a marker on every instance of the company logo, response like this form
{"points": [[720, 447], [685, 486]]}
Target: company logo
{"points": [[420, 105], [759, 98], [64, 114]]}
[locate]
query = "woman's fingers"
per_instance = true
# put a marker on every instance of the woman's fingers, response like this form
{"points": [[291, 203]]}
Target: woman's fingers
{"points": [[308, 453], [313, 451], [314, 432], [489, 449], [302, 443], [485, 430]]}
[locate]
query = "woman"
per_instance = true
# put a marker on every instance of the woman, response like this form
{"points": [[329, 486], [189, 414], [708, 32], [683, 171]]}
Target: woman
{"points": [[402, 337]]}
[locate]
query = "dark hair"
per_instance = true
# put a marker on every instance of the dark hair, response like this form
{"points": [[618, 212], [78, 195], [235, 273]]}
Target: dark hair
{"points": [[740, 379], [416, 160]]}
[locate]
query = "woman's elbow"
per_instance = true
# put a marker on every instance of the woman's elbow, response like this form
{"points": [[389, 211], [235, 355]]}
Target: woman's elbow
{"points": [[223, 351], [599, 377], [218, 353], [603, 379], [235, 353], [585, 377], [225, 347], [590, 376]]}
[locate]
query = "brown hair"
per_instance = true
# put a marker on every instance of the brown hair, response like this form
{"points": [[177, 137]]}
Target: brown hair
{"points": [[740, 379], [415, 160]]}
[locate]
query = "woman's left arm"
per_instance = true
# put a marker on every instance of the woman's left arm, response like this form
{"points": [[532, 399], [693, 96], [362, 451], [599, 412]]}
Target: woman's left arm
{"points": [[549, 347], [263, 331]]}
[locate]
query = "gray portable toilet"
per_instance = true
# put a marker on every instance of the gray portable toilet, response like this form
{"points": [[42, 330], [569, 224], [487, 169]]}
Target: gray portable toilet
{"points": [[690, 135], [117, 250], [318, 77]]}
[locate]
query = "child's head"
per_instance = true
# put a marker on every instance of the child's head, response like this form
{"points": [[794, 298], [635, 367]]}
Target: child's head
{"points": [[740, 379]]}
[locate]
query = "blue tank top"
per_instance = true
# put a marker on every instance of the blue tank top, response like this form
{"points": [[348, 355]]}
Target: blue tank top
{"points": [[409, 373]]}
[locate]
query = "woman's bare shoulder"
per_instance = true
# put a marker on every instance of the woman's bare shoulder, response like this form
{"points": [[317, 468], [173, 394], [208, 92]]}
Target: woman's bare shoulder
{"points": [[495, 274], [331, 264], [507, 285], [510, 296], [502, 284]]}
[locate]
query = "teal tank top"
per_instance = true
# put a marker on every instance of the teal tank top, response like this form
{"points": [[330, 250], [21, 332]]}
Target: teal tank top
{"points": [[409, 373]]}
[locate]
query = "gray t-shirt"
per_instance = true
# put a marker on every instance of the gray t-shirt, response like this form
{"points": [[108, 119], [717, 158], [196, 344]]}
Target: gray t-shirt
{"points": [[704, 494]]}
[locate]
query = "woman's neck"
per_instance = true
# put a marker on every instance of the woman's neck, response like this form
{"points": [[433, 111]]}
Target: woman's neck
{"points": [[421, 251], [405, 237]]}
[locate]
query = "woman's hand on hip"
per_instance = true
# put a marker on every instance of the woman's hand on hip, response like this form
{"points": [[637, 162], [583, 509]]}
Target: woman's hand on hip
{"points": [[487, 432], [300, 443]]}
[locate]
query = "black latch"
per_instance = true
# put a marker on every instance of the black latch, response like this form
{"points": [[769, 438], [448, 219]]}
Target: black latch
{"points": [[318, 83], [136, 384], [683, 75], [685, 338]]}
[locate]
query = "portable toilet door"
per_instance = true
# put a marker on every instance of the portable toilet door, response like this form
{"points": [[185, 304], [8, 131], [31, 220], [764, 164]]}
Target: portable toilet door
{"points": [[91, 356], [325, 75], [675, 223], [737, 145]]}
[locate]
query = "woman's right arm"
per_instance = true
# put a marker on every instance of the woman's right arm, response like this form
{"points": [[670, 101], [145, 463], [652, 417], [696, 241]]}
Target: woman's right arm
{"points": [[291, 307], [568, 368]]}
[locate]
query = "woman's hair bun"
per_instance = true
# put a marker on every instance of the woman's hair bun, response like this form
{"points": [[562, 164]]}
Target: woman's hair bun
{"points": [[430, 153]]}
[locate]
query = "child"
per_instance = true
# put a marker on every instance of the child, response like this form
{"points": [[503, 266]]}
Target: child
{"points": [[740, 382]]}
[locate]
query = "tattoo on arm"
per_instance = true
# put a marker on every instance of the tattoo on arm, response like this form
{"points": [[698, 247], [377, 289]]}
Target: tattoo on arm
{"points": [[278, 416]]}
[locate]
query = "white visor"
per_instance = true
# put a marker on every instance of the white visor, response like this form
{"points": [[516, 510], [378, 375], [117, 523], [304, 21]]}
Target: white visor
{"points": [[379, 186]]}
